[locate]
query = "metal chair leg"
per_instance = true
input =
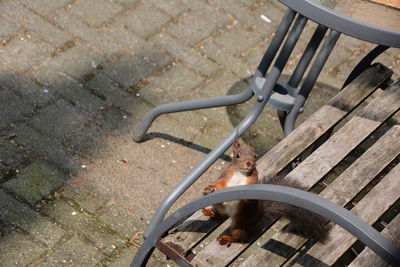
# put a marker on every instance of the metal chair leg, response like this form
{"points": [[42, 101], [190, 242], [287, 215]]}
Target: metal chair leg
{"points": [[140, 131], [263, 94], [198, 170], [310, 80]]}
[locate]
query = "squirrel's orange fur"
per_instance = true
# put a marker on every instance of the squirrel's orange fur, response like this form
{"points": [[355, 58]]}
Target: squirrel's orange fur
{"points": [[245, 214]]}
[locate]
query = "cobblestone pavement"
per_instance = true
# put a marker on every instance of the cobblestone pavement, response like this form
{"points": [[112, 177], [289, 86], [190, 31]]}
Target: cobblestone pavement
{"points": [[74, 188]]}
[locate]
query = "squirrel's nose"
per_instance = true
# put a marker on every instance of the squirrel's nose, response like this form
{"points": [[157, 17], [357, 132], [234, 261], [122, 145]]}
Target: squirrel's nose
{"points": [[248, 163]]}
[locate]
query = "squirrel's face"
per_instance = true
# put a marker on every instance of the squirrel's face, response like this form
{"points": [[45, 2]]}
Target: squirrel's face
{"points": [[244, 157]]}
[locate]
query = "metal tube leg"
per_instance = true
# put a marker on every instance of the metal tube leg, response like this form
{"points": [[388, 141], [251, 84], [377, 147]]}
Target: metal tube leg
{"points": [[143, 255], [197, 171], [307, 55], [245, 124], [310, 80], [140, 131], [276, 41], [290, 42]]}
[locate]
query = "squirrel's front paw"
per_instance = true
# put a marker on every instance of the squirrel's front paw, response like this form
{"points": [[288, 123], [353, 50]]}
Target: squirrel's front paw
{"points": [[209, 212], [225, 240], [209, 189]]}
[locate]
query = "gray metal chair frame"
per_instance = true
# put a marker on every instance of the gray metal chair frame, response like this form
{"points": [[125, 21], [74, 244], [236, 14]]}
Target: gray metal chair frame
{"points": [[341, 216], [266, 86]]}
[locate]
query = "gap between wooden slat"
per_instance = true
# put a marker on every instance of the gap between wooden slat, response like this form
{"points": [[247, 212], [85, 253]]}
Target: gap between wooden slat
{"points": [[323, 120], [310, 171], [346, 100], [370, 208], [340, 191], [368, 258]]}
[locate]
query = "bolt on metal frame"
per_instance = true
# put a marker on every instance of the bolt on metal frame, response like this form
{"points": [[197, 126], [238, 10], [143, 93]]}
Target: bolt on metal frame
{"points": [[264, 83]]}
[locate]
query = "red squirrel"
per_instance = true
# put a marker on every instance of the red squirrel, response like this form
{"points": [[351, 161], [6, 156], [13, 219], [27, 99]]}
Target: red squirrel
{"points": [[245, 214]]}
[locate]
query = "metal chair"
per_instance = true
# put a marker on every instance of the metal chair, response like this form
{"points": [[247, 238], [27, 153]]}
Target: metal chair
{"points": [[288, 97]]}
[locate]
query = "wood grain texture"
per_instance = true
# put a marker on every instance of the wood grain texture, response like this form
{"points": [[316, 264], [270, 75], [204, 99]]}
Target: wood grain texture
{"points": [[368, 258], [322, 120], [216, 255], [341, 191], [192, 231], [369, 209], [275, 251], [327, 156], [365, 168], [292, 146], [197, 227]]}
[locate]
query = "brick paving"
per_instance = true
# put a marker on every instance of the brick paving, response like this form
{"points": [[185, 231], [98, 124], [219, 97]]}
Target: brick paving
{"points": [[75, 75]]}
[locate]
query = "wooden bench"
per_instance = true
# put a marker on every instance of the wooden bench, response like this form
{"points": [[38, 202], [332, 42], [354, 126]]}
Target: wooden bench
{"points": [[357, 168]]}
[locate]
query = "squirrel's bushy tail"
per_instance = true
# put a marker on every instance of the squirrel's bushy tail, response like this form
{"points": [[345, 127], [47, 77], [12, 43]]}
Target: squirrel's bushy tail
{"points": [[303, 222]]}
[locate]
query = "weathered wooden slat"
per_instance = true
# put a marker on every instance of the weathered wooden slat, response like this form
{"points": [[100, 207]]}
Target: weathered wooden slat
{"points": [[323, 120], [365, 168], [190, 232], [368, 258], [275, 251], [370, 208], [310, 171], [321, 161], [341, 191]]}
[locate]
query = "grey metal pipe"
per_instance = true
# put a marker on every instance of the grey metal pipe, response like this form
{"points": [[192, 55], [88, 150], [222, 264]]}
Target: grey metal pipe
{"points": [[308, 54], [140, 131], [203, 165], [245, 124], [290, 42], [276, 41], [310, 80], [382, 246]]}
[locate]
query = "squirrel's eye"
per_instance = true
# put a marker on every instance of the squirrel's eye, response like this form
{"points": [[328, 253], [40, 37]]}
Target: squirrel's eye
{"points": [[237, 155]]}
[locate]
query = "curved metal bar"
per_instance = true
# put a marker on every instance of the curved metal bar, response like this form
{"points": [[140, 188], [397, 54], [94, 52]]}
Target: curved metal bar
{"points": [[310, 80], [140, 131], [314, 203], [365, 63], [344, 24]]}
